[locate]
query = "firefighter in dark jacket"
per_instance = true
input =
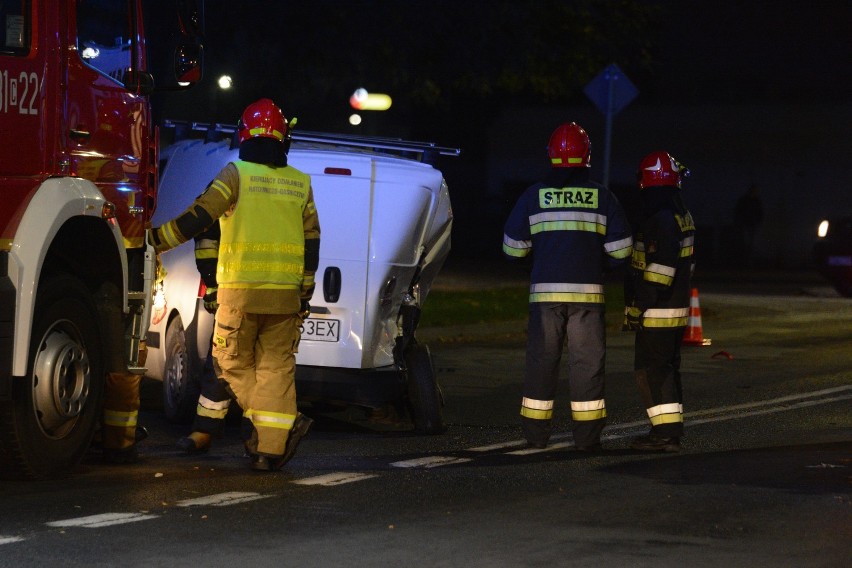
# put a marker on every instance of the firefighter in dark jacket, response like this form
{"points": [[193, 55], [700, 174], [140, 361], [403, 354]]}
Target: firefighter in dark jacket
{"points": [[657, 291], [268, 257], [575, 229], [214, 399]]}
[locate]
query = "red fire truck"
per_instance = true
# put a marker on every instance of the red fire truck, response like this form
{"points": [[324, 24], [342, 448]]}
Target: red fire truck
{"points": [[78, 176]]}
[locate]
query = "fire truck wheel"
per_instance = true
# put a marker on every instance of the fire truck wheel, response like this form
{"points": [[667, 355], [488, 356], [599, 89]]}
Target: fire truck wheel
{"points": [[180, 390], [49, 423], [424, 394]]}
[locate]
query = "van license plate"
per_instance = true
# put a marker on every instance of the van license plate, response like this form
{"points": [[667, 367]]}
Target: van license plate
{"points": [[320, 329]]}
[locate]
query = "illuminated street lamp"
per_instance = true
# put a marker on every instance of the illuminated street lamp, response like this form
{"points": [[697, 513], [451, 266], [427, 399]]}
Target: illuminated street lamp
{"points": [[355, 119], [361, 99], [225, 82]]}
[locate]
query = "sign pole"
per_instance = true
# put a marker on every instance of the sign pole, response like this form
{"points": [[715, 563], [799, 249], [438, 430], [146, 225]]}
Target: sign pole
{"points": [[608, 132], [610, 91]]}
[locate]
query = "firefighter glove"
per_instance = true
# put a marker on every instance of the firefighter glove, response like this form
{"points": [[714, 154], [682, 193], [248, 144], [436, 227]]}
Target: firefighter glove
{"points": [[305, 310], [210, 300], [632, 319]]}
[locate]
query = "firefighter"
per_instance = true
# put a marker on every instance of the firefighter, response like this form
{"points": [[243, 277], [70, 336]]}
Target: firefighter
{"points": [[657, 291], [575, 229], [268, 256], [214, 399], [119, 432]]}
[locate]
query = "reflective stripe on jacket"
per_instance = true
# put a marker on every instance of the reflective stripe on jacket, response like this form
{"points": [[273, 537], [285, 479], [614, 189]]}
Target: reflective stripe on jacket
{"points": [[574, 230]]}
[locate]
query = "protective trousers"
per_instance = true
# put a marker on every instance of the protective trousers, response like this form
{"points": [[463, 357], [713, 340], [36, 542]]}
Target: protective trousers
{"points": [[121, 410], [657, 371], [213, 401], [256, 353], [551, 326]]}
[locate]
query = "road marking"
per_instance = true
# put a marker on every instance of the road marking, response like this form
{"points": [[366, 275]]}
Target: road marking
{"points": [[803, 404], [549, 448], [102, 520], [223, 499], [10, 539], [331, 479], [430, 461], [627, 429]]}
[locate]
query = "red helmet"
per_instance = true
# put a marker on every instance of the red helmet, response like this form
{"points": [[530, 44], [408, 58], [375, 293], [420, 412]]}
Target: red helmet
{"points": [[262, 118], [660, 168], [569, 147]]}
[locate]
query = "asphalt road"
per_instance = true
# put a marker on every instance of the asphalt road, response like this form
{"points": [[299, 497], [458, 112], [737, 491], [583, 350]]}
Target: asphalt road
{"points": [[763, 479]]}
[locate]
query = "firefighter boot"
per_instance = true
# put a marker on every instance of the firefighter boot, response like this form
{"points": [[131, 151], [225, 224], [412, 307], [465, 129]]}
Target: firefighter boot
{"points": [[654, 443], [262, 462], [300, 429], [195, 443]]}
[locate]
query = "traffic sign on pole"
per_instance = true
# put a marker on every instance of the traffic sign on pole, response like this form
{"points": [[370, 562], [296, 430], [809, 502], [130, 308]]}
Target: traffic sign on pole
{"points": [[610, 91]]}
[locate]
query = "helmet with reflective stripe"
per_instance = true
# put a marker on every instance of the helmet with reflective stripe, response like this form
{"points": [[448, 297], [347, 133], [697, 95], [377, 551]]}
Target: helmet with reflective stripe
{"points": [[661, 169], [569, 147], [262, 119]]}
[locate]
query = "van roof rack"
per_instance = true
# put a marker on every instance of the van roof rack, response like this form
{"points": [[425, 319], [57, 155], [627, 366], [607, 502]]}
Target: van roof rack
{"points": [[217, 132]]}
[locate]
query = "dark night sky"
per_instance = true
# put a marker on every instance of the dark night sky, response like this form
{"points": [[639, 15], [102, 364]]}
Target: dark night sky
{"points": [[778, 51], [722, 52], [782, 67]]}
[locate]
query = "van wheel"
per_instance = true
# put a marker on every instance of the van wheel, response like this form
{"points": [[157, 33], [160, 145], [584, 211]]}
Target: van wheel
{"points": [[424, 394], [47, 426], [180, 390]]}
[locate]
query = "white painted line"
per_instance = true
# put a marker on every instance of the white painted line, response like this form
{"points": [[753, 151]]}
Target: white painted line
{"points": [[430, 461], [10, 539], [222, 499], [785, 408], [626, 429], [549, 448], [331, 479], [770, 401], [103, 520]]}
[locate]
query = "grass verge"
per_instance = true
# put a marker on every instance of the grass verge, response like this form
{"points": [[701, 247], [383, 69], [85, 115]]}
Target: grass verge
{"points": [[445, 308]]}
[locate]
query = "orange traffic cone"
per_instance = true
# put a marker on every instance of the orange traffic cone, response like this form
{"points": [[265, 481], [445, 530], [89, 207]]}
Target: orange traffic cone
{"points": [[694, 334]]}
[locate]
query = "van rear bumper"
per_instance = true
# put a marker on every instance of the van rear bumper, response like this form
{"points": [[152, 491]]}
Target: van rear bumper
{"points": [[371, 388]]}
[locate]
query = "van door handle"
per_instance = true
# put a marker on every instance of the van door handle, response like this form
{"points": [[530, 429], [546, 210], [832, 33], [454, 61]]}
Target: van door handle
{"points": [[331, 284]]}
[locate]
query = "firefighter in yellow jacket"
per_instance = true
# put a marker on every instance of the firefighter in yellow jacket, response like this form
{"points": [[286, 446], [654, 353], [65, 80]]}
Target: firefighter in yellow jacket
{"points": [[268, 256]]}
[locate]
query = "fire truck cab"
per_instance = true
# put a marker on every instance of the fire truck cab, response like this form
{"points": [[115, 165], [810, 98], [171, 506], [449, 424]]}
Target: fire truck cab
{"points": [[78, 177]]}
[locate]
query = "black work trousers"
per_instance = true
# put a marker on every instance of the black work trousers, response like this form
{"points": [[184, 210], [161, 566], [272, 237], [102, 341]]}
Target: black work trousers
{"points": [[552, 327], [657, 371], [214, 401]]}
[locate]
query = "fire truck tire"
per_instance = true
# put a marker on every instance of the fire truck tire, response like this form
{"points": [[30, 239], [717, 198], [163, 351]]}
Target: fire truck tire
{"points": [[180, 388], [47, 426], [424, 394]]}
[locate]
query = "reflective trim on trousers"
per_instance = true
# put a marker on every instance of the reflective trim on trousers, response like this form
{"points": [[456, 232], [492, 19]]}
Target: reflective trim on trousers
{"points": [[213, 404], [268, 419], [666, 413], [120, 419], [584, 411], [537, 409], [217, 414]]}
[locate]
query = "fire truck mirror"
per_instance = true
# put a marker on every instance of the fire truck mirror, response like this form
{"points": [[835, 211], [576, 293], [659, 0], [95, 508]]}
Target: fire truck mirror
{"points": [[188, 63]]}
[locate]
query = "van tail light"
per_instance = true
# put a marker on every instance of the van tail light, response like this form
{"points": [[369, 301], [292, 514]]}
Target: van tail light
{"points": [[338, 171], [202, 288]]}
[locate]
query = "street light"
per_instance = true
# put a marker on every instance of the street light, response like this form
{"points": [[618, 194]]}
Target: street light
{"points": [[361, 99], [225, 82]]}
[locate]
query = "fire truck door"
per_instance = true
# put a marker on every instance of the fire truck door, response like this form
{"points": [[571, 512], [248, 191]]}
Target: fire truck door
{"points": [[107, 126]]}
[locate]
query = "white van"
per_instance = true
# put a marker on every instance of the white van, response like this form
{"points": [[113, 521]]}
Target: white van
{"points": [[386, 219]]}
